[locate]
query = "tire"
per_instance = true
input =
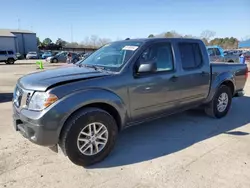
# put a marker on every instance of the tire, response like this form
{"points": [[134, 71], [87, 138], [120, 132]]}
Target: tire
{"points": [[212, 108], [80, 121], [10, 61], [55, 60]]}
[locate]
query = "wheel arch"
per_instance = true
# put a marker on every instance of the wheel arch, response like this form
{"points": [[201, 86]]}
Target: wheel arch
{"points": [[111, 103], [227, 79]]}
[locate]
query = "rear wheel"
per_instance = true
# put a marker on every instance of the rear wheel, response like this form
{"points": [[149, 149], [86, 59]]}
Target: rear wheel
{"points": [[221, 103], [89, 136], [10, 61]]}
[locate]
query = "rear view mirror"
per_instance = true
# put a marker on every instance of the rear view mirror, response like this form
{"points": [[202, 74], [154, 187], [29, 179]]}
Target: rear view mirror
{"points": [[147, 67]]}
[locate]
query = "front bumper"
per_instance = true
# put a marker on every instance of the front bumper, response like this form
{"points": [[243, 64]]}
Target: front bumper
{"points": [[33, 126]]}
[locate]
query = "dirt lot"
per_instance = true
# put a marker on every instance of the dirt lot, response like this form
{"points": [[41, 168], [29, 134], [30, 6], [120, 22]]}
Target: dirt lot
{"points": [[185, 150]]}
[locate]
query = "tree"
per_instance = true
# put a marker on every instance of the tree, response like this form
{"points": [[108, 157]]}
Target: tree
{"points": [[205, 41], [103, 41], [38, 41], [172, 34], [60, 42], [207, 34], [188, 36], [93, 40], [151, 36], [47, 41], [227, 43], [72, 44]]}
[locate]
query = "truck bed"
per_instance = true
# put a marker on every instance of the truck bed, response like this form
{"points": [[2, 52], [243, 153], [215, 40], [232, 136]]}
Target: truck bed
{"points": [[236, 70]]}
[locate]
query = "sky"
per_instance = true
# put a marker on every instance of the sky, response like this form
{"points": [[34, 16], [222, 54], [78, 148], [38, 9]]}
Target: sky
{"points": [[74, 20]]}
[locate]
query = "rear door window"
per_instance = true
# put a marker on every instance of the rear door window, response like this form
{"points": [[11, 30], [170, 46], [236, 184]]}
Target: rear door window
{"points": [[191, 57], [217, 51], [211, 51], [10, 52]]}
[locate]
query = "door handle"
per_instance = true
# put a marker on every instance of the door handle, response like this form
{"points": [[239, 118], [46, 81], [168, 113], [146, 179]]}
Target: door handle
{"points": [[173, 78]]}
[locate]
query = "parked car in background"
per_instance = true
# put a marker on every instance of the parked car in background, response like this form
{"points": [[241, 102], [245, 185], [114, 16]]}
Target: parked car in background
{"points": [[7, 56], [247, 56], [62, 57], [84, 55], [19, 56], [32, 55], [217, 54], [82, 107], [46, 55]]}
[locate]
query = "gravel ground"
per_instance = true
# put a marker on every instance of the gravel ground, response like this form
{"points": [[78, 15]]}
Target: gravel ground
{"points": [[185, 150]]}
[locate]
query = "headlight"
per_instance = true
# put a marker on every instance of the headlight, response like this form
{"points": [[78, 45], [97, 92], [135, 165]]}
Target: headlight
{"points": [[41, 100]]}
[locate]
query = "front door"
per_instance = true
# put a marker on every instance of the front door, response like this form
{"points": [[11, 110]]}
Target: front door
{"points": [[156, 93]]}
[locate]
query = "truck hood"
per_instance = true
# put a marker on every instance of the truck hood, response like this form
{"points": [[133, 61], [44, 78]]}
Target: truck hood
{"points": [[41, 81]]}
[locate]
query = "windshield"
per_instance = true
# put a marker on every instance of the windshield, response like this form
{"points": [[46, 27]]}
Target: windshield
{"points": [[112, 56]]}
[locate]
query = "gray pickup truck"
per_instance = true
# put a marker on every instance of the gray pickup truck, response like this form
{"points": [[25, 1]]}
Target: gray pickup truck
{"points": [[82, 107]]}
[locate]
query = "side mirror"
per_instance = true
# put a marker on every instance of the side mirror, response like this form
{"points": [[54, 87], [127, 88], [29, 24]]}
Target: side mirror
{"points": [[147, 67]]}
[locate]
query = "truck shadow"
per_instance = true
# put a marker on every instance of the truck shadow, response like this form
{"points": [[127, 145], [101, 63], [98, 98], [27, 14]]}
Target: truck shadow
{"points": [[172, 134], [5, 97]]}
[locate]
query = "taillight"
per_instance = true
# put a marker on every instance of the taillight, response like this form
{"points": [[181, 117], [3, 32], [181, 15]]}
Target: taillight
{"points": [[246, 74]]}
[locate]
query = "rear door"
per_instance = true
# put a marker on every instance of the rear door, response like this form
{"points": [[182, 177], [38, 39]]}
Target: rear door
{"points": [[195, 73]]}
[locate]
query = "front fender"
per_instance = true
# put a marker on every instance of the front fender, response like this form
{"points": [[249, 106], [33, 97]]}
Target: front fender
{"points": [[70, 103], [221, 78]]}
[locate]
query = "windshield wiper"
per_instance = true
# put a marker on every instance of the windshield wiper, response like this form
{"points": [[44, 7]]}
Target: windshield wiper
{"points": [[91, 66], [96, 67]]}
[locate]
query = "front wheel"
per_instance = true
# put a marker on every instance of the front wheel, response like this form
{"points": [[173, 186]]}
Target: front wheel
{"points": [[88, 136], [54, 60], [221, 103]]}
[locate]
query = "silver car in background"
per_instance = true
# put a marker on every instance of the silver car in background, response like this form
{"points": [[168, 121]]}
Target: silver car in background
{"points": [[8, 56], [32, 55]]}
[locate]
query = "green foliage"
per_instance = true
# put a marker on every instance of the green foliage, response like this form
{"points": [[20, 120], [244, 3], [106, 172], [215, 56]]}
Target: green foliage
{"points": [[38, 41], [226, 43], [151, 36], [47, 41], [61, 42]]}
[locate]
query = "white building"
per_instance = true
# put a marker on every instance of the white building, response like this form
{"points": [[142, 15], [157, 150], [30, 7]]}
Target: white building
{"points": [[21, 41]]}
